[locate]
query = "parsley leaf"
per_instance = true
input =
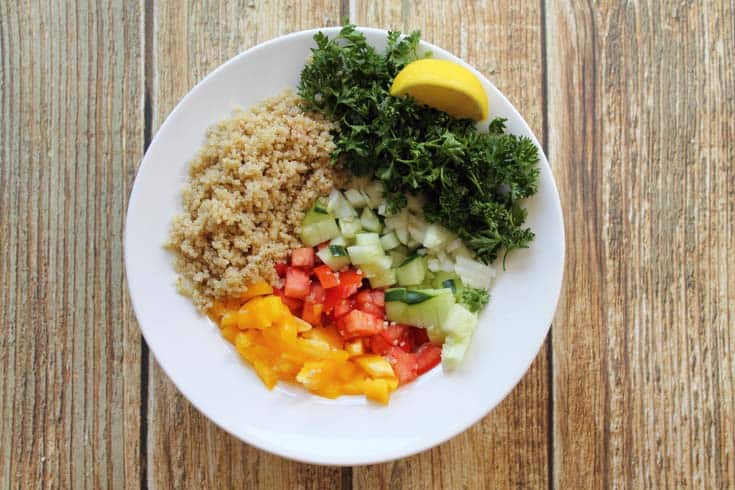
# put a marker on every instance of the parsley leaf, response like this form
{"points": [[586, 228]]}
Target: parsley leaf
{"points": [[474, 299]]}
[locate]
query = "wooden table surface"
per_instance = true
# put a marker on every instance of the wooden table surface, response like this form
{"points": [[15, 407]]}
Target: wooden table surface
{"points": [[635, 104]]}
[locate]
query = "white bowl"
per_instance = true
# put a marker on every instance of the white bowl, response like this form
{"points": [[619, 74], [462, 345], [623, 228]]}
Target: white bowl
{"points": [[288, 421]]}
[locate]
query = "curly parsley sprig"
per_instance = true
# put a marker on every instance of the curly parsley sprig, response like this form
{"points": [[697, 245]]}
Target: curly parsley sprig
{"points": [[474, 181]]}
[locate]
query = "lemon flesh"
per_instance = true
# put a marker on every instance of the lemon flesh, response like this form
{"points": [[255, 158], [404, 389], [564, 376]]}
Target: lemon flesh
{"points": [[443, 85]]}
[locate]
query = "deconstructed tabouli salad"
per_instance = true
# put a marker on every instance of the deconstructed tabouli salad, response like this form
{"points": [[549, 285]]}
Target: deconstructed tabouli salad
{"points": [[341, 237]]}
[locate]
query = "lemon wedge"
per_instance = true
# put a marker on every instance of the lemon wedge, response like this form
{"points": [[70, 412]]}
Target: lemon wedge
{"points": [[443, 85]]}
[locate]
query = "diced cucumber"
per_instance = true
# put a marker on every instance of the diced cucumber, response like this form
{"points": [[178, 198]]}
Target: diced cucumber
{"points": [[312, 216], [387, 278], [473, 273], [431, 313], [338, 206], [338, 250], [411, 296], [377, 267], [416, 235], [453, 351], [320, 206], [463, 251], [335, 262], [366, 254], [458, 327], [367, 239], [374, 192], [370, 220], [319, 231], [350, 227], [397, 257], [340, 240], [389, 241], [412, 271], [447, 280], [435, 236], [433, 265], [356, 198]]}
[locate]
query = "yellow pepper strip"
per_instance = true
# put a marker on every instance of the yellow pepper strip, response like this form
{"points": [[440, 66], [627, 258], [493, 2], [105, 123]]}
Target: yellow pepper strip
{"points": [[281, 346], [375, 366], [260, 288]]}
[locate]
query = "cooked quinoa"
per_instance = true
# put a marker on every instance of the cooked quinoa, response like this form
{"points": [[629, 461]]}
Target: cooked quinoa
{"points": [[247, 192]]}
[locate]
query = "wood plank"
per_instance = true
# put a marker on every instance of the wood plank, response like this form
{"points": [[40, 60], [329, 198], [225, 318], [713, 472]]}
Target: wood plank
{"points": [[640, 133], [509, 448], [191, 39], [71, 133]]}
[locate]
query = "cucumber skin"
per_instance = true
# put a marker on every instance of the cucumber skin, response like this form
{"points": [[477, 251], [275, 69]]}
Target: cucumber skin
{"points": [[430, 314]]}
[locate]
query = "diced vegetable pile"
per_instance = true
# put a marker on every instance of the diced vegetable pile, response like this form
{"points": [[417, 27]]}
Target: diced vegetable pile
{"points": [[433, 279]]}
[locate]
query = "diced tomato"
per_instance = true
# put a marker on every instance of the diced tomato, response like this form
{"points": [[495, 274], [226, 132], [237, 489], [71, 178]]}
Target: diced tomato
{"points": [[316, 293], [281, 269], [372, 308], [312, 313], [297, 283], [302, 257], [394, 333], [349, 282], [294, 305], [322, 245], [331, 300], [399, 336], [378, 296], [404, 364], [343, 307], [366, 301], [327, 278], [428, 356], [358, 324], [420, 335], [378, 345]]}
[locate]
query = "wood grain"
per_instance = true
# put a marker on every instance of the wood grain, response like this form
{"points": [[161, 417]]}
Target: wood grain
{"points": [[509, 448], [641, 130], [71, 133], [185, 450]]}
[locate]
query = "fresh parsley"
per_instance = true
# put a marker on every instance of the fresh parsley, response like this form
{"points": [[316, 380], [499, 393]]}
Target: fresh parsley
{"points": [[474, 181], [474, 299]]}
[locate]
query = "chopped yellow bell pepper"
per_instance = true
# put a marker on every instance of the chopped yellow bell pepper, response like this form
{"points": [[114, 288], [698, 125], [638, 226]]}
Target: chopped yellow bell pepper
{"points": [[281, 346], [260, 288]]}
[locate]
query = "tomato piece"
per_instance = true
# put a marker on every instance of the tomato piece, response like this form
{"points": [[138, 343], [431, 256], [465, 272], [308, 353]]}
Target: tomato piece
{"points": [[359, 324], [294, 305], [343, 307], [378, 296], [404, 364], [349, 282], [378, 345], [302, 257], [394, 333], [281, 268], [428, 356], [327, 278], [420, 335], [316, 293], [399, 336], [322, 245], [297, 283], [372, 308], [332, 298], [312, 313]]}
